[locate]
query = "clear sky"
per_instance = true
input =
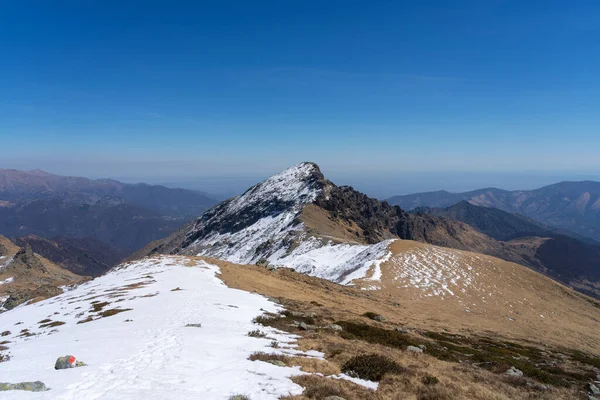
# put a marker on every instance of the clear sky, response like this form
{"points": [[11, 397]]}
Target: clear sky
{"points": [[390, 96]]}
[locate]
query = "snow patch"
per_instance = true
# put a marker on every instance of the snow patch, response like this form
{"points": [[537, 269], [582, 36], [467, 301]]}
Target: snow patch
{"points": [[437, 271], [362, 382], [7, 280], [148, 352]]}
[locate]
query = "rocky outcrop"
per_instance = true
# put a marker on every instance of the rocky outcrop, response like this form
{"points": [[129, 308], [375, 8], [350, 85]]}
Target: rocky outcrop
{"points": [[514, 372], [67, 362], [28, 259], [36, 386]]}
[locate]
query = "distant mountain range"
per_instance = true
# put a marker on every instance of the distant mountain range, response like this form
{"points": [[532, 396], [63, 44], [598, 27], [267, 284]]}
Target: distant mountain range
{"points": [[566, 206], [124, 216]]}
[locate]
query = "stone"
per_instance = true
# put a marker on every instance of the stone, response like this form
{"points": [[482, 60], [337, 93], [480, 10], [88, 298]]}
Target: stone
{"points": [[68, 361], [414, 349], [334, 398], [299, 314], [193, 325], [423, 347], [379, 318], [512, 371], [277, 363], [303, 326], [594, 390], [36, 386], [401, 330], [335, 327]]}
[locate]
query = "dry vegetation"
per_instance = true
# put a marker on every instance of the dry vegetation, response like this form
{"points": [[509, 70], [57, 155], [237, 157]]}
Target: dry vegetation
{"points": [[458, 363]]}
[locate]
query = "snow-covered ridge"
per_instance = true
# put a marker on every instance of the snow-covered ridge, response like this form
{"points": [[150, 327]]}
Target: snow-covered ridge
{"points": [[147, 351], [291, 185], [262, 224]]}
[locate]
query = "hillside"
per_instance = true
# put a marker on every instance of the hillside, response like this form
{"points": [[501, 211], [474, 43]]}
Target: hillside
{"points": [[361, 300], [85, 257], [493, 222], [26, 276], [566, 206], [123, 216], [300, 219], [564, 258], [175, 327]]}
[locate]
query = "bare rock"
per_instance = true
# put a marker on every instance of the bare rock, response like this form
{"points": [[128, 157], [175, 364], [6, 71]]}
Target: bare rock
{"points": [[335, 327], [67, 362], [36, 386], [414, 349], [514, 372]]}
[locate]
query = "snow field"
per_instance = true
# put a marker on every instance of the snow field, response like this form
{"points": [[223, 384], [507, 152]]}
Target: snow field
{"points": [[148, 352]]}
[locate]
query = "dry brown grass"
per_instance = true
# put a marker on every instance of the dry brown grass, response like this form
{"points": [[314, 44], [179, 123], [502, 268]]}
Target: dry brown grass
{"points": [[113, 311], [314, 365], [52, 324], [334, 303]]}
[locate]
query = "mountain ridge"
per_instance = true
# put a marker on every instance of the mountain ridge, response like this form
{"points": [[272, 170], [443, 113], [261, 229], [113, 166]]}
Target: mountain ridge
{"points": [[569, 205], [124, 216], [273, 222]]}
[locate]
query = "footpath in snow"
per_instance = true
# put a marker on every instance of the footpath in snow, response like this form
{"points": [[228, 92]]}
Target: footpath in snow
{"points": [[147, 351]]}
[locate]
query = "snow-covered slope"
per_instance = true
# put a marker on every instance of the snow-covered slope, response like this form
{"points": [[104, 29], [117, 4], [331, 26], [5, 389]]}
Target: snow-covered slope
{"points": [[263, 224], [142, 347]]}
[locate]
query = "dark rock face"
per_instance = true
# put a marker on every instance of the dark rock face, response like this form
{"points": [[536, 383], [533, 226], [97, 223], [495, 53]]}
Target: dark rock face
{"points": [[380, 221], [3, 250]]}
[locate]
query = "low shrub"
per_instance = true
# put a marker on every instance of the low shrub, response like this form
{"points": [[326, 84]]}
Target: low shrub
{"points": [[429, 380], [257, 333], [262, 356], [372, 334], [371, 367], [239, 397]]}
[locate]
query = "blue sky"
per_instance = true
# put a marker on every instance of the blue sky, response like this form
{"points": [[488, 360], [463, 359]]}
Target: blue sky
{"points": [[390, 96]]}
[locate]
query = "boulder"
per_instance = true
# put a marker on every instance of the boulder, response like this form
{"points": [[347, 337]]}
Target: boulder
{"points": [[68, 361], [512, 371], [594, 390], [401, 330], [414, 349], [379, 318], [299, 314], [335, 327], [36, 386]]}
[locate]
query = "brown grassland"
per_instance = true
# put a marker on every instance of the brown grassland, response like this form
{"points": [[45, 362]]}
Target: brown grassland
{"points": [[466, 353]]}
